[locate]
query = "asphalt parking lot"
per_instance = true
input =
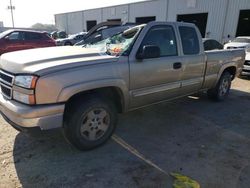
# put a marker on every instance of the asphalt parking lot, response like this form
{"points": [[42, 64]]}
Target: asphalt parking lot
{"points": [[194, 136]]}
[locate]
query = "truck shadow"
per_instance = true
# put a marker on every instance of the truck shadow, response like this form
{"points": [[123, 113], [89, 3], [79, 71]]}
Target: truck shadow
{"points": [[51, 162], [206, 140]]}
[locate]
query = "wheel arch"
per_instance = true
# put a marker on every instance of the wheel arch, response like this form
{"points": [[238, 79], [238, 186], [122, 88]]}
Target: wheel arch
{"points": [[115, 90], [228, 67]]}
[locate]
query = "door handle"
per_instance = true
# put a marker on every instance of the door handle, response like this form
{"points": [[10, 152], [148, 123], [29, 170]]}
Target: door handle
{"points": [[177, 65]]}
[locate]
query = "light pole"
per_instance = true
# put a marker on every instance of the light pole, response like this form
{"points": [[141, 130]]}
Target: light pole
{"points": [[11, 10]]}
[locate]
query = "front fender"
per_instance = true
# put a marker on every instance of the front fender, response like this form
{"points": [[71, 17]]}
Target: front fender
{"points": [[69, 91]]}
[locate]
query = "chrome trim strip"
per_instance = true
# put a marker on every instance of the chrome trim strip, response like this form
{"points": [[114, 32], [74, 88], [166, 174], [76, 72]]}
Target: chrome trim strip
{"points": [[190, 82], [12, 82], [23, 90], [155, 89]]}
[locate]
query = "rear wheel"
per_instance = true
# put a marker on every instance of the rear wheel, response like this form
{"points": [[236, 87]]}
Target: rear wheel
{"points": [[221, 91], [90, 123]]}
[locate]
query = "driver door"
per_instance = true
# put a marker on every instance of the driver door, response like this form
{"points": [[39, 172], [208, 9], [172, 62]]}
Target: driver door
{"points": [[156, 79]]}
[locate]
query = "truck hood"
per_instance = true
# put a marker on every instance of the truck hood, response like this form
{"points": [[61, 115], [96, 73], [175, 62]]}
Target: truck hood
{"points": [[45, 60]]}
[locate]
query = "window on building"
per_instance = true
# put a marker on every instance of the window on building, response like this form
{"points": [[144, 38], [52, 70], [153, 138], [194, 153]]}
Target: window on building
{"points": [[164, 38], [243, 28], [200, 20], [90, 24], [142, 20], [114, 20], [189, 40]]}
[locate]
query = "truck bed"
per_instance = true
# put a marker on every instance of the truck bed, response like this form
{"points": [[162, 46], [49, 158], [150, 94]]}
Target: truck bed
{"points": [[215, 59]]}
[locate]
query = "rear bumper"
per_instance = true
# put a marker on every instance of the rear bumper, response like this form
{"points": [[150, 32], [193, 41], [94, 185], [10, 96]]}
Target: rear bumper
{"points": [[24, 116]]}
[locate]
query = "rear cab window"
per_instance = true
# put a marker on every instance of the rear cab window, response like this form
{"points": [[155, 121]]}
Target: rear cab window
{"points": [[189, 40]]}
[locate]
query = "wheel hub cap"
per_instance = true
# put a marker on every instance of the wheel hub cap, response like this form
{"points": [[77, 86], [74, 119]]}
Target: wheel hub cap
{"points": [[95, 124]]}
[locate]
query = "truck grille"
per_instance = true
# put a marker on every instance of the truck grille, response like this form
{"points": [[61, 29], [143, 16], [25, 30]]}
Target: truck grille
{"points": [[6, 83]]}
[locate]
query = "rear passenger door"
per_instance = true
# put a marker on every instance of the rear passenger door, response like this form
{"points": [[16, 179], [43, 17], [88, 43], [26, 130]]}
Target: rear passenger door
{"points": [[156, 79], [192, 59], [33, 40]]}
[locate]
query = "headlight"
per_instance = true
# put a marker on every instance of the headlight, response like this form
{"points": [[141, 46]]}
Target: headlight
{"points": [[26, 81], [24, 98], [24, 89]]}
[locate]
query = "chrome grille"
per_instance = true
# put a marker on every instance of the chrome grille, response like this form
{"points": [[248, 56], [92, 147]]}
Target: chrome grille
{"points": [[6, 83]]}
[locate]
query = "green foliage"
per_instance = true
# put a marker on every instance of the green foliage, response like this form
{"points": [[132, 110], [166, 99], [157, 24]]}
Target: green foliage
{"points": [[182, 181], [47, 27]]}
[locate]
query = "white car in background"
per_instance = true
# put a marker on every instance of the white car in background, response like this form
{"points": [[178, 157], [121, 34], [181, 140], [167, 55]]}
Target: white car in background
{"points": [[244, 43], [239, 42]]}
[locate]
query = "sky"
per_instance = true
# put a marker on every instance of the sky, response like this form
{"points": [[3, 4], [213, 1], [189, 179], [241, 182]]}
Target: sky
{"points": [[29, 12]]}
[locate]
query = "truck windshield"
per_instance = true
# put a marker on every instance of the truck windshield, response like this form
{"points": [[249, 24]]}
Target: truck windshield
{"points": [[117, 44]]}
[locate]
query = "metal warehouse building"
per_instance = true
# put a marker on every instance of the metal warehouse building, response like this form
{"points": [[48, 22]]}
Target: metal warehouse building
{"points": [[218, 19]]}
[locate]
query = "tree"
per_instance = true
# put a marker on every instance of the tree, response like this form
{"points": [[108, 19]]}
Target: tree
{"points": [[46, 27]]}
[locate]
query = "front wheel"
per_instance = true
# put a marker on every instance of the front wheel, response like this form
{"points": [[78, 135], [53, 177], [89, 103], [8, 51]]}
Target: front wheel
{"points": [[221, 91], [90, 123]]}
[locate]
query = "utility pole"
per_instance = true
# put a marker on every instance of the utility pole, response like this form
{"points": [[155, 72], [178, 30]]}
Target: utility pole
{"points": [[11, 8]]}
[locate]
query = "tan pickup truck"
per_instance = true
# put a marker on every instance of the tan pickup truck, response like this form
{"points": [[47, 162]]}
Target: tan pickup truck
{"points": [[82, 88]]}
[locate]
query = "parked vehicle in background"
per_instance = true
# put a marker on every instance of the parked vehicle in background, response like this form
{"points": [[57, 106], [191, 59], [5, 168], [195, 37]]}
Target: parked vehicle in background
{"points": [[13, 40], [246, 68], [103, 32], [242, 43], [58, 35], [239, 42], [71, 40], [211, 44], [81, 89]]}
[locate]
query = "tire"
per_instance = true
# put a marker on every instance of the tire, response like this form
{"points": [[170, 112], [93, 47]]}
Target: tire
{"points": [[221, 91], [90, 123]]}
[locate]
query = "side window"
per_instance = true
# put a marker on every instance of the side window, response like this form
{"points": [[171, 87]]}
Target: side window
{"points": [[207, 45], [95, 37], [164, 38], [33, 36], [189, 40], [112, 31], [216, 45], [15, 36], [78, 37]]}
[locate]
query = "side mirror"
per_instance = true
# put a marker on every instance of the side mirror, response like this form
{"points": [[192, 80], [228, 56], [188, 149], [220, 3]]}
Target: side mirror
{"points": [[149, 51]]}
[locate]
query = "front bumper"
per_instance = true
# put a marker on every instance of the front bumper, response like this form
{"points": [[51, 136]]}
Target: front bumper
{"points": [[43, 116]]}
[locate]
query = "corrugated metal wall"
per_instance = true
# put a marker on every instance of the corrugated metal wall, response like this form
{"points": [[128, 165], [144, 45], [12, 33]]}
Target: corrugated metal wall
{"points": [[61, 22], [216, 10], [94, 14], [116, 12], [222, 19], [150, 8], [231, 20], [75, 22]]}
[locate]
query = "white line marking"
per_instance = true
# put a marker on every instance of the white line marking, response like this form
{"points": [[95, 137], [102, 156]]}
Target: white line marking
{"points": [[132, 150]]}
